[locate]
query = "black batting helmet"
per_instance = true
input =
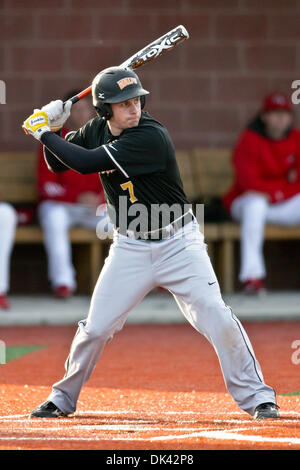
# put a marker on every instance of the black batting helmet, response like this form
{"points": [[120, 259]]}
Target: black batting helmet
{"points": [[114, 85]]}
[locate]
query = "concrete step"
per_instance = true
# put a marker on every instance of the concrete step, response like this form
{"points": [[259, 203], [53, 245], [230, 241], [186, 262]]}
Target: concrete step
{"points": [[154, 308]]}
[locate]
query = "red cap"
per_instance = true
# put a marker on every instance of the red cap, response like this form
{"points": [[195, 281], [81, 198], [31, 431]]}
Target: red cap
{"points": [[277, 101]]}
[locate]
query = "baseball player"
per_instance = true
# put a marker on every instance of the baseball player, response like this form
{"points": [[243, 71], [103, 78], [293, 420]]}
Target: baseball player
{"points": [[135, 158]]}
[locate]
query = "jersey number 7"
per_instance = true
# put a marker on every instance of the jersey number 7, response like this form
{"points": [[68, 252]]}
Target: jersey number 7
{"points": [[128, 185]]}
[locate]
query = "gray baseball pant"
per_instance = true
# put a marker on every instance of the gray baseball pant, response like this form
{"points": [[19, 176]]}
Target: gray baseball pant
{"points": [[180, 264]]}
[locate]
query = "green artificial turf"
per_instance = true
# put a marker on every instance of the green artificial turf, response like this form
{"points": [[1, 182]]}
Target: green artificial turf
{"points": [[14, 352], [290, 394]]}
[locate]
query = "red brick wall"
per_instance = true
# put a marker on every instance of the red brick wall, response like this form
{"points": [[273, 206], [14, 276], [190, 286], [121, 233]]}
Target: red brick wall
{"points": [[204, 91]]}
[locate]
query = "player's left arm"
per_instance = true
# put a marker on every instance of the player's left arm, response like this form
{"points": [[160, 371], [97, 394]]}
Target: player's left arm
{"points": [[71, 155], [52, 162], [77, 158], [137, 152], [67, 154]]}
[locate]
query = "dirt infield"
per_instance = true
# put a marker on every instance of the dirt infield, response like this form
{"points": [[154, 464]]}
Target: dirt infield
{"points": [[155, 387]]}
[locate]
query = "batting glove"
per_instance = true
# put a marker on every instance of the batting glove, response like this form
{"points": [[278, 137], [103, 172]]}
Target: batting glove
{"points": [[58, 113], [36, 124]]}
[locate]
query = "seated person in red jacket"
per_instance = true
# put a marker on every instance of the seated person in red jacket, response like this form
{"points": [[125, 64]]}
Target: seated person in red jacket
{"points": [[68, 199], [266, 161]]}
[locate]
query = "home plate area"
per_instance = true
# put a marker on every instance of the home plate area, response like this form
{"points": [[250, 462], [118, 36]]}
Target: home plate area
{"points": [[155, 387], [155, 420]]}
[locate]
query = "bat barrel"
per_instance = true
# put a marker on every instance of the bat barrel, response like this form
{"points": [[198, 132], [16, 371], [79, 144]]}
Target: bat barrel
{"points": [[158, 47]]}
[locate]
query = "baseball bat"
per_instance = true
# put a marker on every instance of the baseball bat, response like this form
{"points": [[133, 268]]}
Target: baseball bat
{"points": [[150, 52]]}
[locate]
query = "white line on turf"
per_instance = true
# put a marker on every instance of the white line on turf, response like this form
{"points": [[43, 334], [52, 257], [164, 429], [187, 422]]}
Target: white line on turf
{"points": [[208, 433], [120, 428], [228, 435], [188, 436], [216, 435], [12, 416], [157, 412], [122, 422]]}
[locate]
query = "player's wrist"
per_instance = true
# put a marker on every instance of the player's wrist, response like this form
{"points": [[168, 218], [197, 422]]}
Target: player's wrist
{"points": [[44, 136]]}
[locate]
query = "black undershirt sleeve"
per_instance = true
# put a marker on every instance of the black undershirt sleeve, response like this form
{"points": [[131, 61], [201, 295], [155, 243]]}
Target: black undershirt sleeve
{"points": [[52, 162], [68, 155]]}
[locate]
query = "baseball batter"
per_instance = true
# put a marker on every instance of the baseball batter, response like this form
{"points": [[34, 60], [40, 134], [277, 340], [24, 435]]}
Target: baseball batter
{"points": [[135, 158]]}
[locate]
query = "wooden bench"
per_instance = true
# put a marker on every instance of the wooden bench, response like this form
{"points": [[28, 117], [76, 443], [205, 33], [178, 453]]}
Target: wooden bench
{"points": [[18, 185], [229, 233], [204, 178], [210, 177]]}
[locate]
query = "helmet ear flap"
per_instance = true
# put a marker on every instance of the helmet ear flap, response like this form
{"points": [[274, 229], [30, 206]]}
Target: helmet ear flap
{"points": [[104, 111]]}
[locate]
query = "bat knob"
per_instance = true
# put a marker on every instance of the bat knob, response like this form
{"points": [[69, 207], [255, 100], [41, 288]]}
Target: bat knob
{"points": [[25, 130]]}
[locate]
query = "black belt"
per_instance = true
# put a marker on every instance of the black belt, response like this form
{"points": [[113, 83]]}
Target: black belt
{"points": [[159, 234]]}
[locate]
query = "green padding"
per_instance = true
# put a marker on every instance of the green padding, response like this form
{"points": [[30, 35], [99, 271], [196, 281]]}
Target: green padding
{"points": [[13, 352], [290, 394]]}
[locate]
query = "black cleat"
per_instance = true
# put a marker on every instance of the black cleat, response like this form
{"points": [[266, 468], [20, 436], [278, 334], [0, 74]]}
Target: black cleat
{"points": [[46, 410], [267, 411]]}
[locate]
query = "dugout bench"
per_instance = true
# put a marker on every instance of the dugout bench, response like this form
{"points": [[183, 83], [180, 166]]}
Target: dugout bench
{"points": [[18, 186], [207, 174]]}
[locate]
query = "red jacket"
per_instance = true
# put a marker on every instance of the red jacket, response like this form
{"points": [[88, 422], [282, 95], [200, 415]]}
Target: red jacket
{"points": [[65, 186], [265, 165]]}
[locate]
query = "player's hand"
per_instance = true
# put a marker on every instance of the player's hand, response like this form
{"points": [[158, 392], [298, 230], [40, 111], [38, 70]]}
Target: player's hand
{"points": [[36, 124], [58, 113]]}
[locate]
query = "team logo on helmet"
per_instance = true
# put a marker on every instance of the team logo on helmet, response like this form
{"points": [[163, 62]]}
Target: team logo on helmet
{"points": [[126, 81]]}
